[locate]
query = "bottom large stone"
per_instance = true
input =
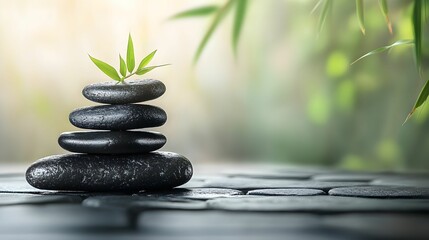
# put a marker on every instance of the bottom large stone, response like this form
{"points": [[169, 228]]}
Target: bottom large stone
{"points": [[115, 173]]}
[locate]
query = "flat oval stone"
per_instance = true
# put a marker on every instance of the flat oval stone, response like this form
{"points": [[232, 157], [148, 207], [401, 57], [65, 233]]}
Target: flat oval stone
{"points": [[128, 92], [381, 192], [110, 173], [286, 192], [107, 142], [118, 117]]}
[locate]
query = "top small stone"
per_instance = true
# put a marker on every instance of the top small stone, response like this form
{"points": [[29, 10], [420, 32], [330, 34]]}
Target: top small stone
{"points": [[123, 93]]}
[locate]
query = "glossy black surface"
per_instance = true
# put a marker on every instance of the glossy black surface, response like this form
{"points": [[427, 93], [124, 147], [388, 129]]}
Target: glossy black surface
{"points": [[118, 117], [115, 173], [128, 92], [111, 142]]}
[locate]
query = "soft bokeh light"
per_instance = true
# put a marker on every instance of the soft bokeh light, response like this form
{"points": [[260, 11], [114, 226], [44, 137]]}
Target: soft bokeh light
{"points": [[289, 95]]}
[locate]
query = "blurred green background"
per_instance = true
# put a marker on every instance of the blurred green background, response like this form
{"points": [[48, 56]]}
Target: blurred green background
{"points": [[290, 94]]}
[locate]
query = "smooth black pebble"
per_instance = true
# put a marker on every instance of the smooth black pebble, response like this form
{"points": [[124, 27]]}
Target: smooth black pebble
{"points": [[118, 117], [128, 92], [111, 142], [119, 173]]}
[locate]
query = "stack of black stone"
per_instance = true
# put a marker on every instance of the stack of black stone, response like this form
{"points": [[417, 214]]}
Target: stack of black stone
{"points": [[113, 158]]}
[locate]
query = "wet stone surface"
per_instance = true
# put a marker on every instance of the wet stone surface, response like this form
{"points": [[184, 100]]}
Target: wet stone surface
{"points": [[114, 173], [139, 203], [251, 184], [111, 142], [318, 204], [7, 199], [381, 192], [352, 211], [194, 193], [286, 192], [346, 177], [128, 92], [269, 175], [118, 117]]}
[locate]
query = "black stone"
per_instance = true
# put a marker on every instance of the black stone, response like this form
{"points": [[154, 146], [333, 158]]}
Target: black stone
{"points": [[128, 92], [110, 173], [118, 117], [381, 192], [116, 142], [286, 192]]}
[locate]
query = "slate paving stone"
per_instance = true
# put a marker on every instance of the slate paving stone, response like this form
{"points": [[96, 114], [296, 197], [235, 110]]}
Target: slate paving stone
{"points": [[286, 192], [66, 219], [194, 193], [238, 225], [110, 173], [346, 177], [128, 92], [6, 176], [402, 181], [318, 204], [381, 225], [118, 117], [251, 184], [18, 186], [381, 192], [194, 183], [268, 174], [111, 142], [140, 203], [7, 199]]}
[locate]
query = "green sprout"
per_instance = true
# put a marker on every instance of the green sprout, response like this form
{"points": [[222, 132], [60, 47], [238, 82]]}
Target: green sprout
{"points": [[129, 65]]}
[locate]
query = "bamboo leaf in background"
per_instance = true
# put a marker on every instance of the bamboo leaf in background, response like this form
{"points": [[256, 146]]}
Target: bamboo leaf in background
{"points": [[196, 12], [147, 69], [219, 16], [420, 100], [238, 22], [122, 66], [417, 27], [360, 15], [385, 11], [146, 60], [106, 68], [316, 7], [325, 10], [385, 48], [130, 54]]}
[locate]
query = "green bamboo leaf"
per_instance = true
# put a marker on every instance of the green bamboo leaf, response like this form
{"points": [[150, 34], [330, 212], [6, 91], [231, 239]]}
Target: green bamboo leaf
{"points": [[316, 7], [385, 11], [146, 60], [385, 48], [130, 54], [417, 26], [424, 93], [147, 69], [238, 21], [196, 12], [106, 68], [327, 6], [219, 16], [360, 15], [122, 66]]}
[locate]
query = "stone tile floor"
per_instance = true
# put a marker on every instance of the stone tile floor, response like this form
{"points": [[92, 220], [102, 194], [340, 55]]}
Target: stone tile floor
{"points": [[274, 202]]}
